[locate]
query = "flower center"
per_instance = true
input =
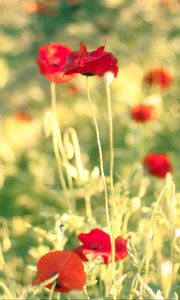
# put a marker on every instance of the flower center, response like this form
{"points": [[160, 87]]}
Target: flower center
{"points": [[55, 65], [88, 74], [57, 286]]}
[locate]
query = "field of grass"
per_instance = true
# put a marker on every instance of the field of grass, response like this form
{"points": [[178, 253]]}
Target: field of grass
{"points": [[53, 184]]}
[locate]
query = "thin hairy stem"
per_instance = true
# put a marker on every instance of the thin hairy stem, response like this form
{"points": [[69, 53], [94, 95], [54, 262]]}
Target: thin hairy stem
{"points": [[53, 99], [111, 142], [111, 139], [100, 158]]}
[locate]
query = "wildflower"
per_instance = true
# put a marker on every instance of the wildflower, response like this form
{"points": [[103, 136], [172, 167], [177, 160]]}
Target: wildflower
{"points": [[73, 2], [33, 7], [51, 59], [159, 77], [90, 63], [158, 164], [74, 89], [97, 243], [22, 116], [48, 7], [170, 4], [65, 263], [143, 113]]}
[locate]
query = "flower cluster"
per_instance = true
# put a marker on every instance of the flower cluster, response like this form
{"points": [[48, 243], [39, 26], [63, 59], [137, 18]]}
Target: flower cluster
{"points": [[68, 263], [59, 64]]}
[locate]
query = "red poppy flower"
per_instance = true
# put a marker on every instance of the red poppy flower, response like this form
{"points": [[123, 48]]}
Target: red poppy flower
{"points": [[65, 263], [73, 88], [158, 164], [73, 2], [143, 112], [51, 59], [169, 4], [88, 63], [48, 7], [160, 77], [21, 116], [97, 243]]}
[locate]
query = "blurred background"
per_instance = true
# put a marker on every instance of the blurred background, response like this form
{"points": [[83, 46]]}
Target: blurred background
{"points": [[142, 34]]}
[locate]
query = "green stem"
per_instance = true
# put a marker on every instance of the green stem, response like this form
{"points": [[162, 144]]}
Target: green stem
{"points": [[100, 157], [133, 287], [146, 287], [53, 99], [111, 142]]}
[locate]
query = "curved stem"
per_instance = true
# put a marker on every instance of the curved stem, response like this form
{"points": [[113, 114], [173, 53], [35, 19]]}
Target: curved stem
{"points": [[159, 199], [100, 157], [170, 183], [146, 287], [6, 290], [58, 131], [53, 124], [71, 133]]}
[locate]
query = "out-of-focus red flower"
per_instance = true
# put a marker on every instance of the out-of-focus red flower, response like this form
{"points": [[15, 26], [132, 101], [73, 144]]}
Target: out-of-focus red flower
{"points": [[73, 2], [158, 164], [33, 7], [65, 263], [97, 243], [159, 77], [48, 7], [143, 113], [22, 116], [51, 59], [73, 88], [88, 63], [170, 4]]}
